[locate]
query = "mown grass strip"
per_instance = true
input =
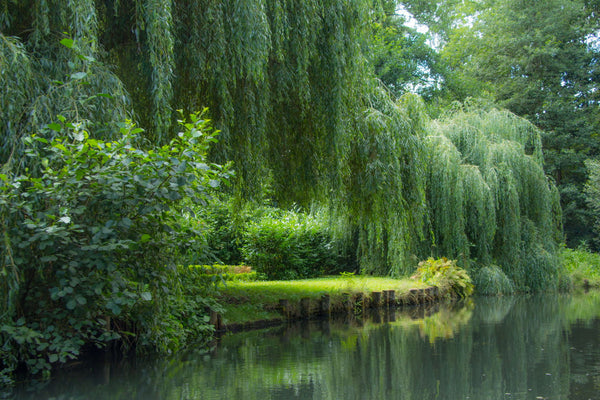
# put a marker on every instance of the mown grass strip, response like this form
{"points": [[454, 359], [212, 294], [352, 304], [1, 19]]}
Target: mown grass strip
{"points": [[254, 301]]}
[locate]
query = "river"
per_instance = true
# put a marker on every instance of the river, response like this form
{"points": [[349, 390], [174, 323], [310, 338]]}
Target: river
{"points": [[523, 347]]}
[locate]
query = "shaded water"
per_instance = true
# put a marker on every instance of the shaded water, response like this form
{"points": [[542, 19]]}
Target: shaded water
{"points": [[543, 347]]}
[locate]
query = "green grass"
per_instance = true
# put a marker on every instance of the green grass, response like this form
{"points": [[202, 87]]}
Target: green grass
{"points": [[254, 301], [581, 264]]}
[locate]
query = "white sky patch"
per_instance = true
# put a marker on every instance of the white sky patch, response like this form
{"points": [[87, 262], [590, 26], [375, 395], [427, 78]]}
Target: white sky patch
{"points": [[411, 21], [433, 40], [593, 40]]}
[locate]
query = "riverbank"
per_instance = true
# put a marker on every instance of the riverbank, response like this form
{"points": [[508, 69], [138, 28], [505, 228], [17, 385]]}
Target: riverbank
{"points": [[248, 305], [258, 304]]}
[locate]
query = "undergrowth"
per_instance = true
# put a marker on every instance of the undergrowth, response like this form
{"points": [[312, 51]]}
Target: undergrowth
{"points": [[445, 274], [581, 265]]}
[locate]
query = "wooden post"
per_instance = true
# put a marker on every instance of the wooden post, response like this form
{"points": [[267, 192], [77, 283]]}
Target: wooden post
{"points": [[389, 297], [376, 315], [375, 299], [305, 307], [392, 316], [325, 309], [215, 320], [284, 305]]}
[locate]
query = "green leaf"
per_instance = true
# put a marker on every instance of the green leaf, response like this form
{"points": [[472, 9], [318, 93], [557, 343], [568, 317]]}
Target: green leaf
{"points": [[116, 310], [79, 75], [146, 296], [53, 358], [55, 127], [145, 238], [86, 58], [68, 43]]}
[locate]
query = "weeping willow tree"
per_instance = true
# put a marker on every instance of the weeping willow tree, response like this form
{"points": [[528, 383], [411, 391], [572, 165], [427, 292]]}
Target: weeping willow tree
{"points": [[285, 82], [488, 197], [282, 79]]}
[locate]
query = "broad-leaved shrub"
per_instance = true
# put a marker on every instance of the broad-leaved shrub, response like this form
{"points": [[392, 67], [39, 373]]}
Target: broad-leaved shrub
{"points": [[290, 245], [91, 236]]}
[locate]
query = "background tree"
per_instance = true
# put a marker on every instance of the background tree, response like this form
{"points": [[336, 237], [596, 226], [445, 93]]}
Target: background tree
{"points": [[401, 56], [539, 60]]}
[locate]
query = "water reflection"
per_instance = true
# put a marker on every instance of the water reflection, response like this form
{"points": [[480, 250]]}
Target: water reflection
{"points": [[487, 348]]}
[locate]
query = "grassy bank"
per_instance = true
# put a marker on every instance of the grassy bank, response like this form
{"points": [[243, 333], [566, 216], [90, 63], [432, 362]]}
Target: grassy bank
{"points": [[245, 302]]}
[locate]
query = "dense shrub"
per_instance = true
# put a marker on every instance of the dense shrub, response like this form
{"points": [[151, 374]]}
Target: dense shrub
{"points": [[290, 245], [225, 224], [581, 265], [92, 234], [445, 274]]}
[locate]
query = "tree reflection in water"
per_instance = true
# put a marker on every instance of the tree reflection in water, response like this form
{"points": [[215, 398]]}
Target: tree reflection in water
{"points": [[485, 348]]}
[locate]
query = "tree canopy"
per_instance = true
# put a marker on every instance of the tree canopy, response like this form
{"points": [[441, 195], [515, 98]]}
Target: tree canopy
{"points": [[540, 61]]}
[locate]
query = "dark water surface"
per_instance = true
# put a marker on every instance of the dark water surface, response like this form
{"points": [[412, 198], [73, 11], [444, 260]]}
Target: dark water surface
{"points": [[539, 347]]}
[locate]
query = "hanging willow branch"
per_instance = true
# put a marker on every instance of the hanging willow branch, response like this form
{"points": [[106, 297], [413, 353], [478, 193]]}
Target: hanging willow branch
{"points": [[158, 22], [19, 83]]}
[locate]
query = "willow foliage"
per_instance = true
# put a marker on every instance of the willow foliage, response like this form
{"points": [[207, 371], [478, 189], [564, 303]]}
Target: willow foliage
{"points": [[46, 73], [299, 112], [382, 194], [489, 198]]}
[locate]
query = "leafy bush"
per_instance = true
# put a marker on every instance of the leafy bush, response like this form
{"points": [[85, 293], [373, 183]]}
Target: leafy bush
{"points": [[225, 226], [445, 274], [92, 234], [491, 280], [289, 245]]}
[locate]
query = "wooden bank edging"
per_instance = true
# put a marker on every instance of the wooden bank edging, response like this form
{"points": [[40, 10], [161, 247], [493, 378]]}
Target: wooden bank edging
{"points": [[324, 307]]}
